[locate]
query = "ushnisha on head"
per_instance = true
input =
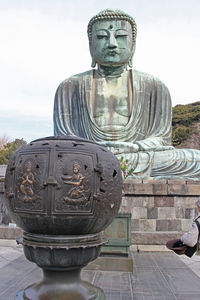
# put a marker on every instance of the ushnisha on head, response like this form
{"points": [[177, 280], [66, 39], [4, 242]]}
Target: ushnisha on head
{"points": [[112, 38]]}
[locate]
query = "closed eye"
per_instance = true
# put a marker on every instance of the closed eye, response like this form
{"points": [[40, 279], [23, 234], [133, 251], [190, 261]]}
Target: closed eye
{"points": [[121, 35], [101, 36]]}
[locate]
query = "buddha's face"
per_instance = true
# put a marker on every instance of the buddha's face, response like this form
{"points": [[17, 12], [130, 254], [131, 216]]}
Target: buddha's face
{"points": [[112, 43]]}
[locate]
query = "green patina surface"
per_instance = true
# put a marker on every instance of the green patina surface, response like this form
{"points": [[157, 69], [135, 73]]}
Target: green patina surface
{"points": [[123, 109]]}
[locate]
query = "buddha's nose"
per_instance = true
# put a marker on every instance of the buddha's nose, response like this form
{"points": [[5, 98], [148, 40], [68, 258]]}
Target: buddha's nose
{"points": [[112, 43]]}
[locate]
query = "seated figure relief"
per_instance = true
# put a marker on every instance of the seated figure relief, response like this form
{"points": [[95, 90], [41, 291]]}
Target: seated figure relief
{"points": [[123, 109]]}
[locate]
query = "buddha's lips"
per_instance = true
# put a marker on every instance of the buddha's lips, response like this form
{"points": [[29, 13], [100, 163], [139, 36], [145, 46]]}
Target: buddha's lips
{"points": [[112, 52]]}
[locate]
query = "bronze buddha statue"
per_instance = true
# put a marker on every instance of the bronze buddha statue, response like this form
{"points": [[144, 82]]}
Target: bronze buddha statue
{"points": [[127, 111]]}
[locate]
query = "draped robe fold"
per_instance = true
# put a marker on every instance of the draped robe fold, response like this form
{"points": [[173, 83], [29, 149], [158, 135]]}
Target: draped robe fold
{"points": [[149, 126]]}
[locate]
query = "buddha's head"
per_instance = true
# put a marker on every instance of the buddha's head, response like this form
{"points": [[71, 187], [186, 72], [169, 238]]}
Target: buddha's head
{"points": [[112, 38]]}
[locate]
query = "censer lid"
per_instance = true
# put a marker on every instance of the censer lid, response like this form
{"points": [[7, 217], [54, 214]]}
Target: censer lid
{"points": [[65, 138]]}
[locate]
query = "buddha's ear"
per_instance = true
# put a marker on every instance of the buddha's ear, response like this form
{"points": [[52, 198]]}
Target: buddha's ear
{"points": [[93, 64], [130, 62]]}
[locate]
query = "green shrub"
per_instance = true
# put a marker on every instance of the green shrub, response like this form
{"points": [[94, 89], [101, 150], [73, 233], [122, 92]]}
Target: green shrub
{"points": [[183, 117], [180, 134]]}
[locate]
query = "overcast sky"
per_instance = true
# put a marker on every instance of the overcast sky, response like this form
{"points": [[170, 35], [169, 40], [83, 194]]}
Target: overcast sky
{"points": [[45, 41]]}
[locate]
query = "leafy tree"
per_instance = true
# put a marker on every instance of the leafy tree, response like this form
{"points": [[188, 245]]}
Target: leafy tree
{"points": [[9, 148], [4, 139]]}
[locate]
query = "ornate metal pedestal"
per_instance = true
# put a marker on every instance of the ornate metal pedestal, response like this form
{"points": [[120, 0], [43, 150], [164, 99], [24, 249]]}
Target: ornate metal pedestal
{"points": [[62, 191], [61, 259]]}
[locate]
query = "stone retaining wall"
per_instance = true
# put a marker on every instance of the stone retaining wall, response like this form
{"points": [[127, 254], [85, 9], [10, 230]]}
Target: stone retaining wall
{"points": [[4, 217], [161, 209]]}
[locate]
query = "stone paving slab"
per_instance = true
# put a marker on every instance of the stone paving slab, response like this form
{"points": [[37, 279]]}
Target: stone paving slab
{"points": [[156, 275], [193, 263]]}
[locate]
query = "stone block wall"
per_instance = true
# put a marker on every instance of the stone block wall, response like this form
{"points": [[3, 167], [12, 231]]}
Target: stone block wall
{"points": [[161, 209], [4, 217], [1, 201]]}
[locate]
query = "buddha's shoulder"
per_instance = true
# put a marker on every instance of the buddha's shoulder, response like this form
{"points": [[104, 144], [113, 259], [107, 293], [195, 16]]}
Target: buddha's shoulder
{"points": [[75, 79], [145, 77]]}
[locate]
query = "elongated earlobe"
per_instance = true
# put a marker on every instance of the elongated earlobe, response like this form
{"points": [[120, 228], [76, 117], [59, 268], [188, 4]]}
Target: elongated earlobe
{"points": [[93, 65], [130, 63]]}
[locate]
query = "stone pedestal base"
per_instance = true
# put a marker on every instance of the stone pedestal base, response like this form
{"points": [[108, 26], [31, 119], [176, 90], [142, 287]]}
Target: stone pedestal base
{"points": [[161, 210]]}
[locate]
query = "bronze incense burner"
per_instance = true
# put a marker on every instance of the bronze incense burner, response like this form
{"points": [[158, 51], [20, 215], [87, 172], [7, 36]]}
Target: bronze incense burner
{"points": [[62, 191]]}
